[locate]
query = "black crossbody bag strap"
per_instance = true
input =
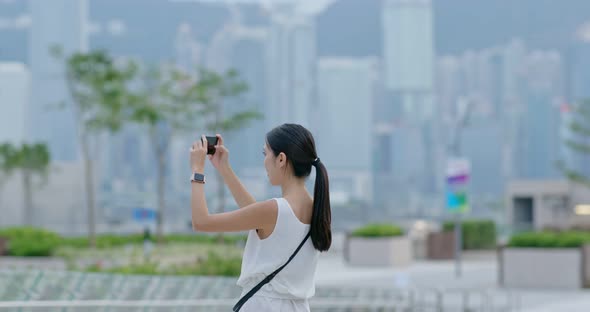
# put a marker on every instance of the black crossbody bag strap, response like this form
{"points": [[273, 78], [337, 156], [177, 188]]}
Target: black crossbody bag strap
{"points": [[267, 279]]}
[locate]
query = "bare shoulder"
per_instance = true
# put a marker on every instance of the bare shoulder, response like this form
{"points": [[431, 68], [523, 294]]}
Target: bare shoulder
{"points": [[267, 206], [268, 211]]}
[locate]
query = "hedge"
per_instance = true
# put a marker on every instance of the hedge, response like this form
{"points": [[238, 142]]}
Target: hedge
{"points": [[378, 230], [568, 239], [36, 242], [477, 234], [213, 265], [30, 242], [111, 240]]}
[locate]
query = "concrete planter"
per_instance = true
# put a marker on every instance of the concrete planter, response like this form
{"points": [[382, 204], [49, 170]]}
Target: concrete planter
{"points": [[565, 268], [441, 246], [379, 251]]}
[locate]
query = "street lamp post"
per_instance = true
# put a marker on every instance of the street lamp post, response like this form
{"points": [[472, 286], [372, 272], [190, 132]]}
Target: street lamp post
{"points": [[455, 150]]}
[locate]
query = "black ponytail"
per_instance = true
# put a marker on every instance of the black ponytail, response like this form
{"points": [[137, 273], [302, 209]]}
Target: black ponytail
{"points": [[299, 146], [321, 221]]}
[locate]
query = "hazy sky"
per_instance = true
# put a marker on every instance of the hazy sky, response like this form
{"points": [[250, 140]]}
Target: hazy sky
{"points": [[308, 6]]}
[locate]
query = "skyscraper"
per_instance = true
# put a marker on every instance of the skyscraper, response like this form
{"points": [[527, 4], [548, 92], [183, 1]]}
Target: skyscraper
{"points": [[15, 87], [514, 55], [486, 159], [291, 61], [577, 79], [541, 119], [344, 137], [60, 23], [408, 53], [448, 85], [245, 50], [513, 104], [188, 50], [248, 56], [514, 98]]}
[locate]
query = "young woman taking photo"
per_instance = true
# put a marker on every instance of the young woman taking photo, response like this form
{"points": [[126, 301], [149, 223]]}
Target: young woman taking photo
{"points": [[286, 234]]}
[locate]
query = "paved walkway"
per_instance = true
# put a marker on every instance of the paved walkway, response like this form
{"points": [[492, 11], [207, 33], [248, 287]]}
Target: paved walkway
{"points": [[334, 276], [479, 272]]}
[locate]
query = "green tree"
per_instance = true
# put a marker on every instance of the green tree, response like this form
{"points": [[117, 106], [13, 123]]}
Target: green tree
{"points": [[224, 86], [99, 89], [580, 127], [7, 163], [174, 102], [31, 160]]}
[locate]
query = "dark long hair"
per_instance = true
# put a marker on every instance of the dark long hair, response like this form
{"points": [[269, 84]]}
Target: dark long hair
{"points": [[299, 146]]}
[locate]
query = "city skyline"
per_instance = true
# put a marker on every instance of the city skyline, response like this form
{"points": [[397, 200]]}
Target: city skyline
{"points": [[448, 167], [401, 102]]}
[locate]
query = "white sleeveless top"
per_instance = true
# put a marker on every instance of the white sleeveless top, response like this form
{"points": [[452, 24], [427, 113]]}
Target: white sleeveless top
{"points": [[262, 257]]}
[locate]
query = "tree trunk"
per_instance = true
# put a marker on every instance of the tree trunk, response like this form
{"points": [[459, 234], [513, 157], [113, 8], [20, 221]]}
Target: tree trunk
{"points": [[161, 192], [28, 198], [89, 184]]}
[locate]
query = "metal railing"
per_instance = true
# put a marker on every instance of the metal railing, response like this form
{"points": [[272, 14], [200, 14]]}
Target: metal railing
{"points": [[26, 291]]}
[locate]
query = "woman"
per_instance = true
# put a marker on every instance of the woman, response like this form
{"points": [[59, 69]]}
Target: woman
{"points": [[277, 227]]}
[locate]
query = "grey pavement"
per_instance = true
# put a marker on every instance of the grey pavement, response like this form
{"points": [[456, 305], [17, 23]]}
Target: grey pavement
{"points": [[335, 279], [479, 274]]}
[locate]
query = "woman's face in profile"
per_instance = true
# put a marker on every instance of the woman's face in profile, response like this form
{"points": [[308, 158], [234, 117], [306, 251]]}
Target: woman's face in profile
{"points": [[271, 166], [267, 161]]}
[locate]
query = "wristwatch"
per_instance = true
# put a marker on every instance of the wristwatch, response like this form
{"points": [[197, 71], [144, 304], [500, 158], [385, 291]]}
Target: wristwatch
{"points": [[198, 178]]}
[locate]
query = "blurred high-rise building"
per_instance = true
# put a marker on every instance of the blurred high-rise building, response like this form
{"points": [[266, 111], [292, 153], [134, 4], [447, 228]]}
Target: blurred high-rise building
{"points": [[533, 91], [408, 53], [127, 155], [408, 56], [15, 88], [469, 82], [245, 50], [577, 80], [486, 159], [345, 139], [513, 57], [540, 142], [292, 67], [514, 54], [448, 85], [248, 57], [55, 24], [188, 50], [514, 98]]}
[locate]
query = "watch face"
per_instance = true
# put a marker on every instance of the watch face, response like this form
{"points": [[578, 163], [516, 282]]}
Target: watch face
{"points": [[198, 177]]}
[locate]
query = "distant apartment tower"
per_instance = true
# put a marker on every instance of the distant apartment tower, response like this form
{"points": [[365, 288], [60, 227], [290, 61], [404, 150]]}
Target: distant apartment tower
{"points": [[15, 88], [187, 49], [347, 92], [292, 67], [577, 63], [408, 53], [63, 24], [541, 141]]}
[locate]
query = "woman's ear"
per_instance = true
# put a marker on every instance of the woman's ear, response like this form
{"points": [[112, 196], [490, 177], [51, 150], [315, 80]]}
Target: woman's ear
{"points": [[282, 159]]}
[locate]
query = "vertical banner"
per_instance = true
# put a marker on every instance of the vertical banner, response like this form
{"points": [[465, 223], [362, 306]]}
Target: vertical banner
{"points": [[458, 171]]}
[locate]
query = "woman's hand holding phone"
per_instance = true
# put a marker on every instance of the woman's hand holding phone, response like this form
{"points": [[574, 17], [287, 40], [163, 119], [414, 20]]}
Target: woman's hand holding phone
{"points": [[220, 157]]}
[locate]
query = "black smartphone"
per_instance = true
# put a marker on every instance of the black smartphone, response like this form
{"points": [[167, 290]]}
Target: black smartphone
{"points": [[211, 142]]}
